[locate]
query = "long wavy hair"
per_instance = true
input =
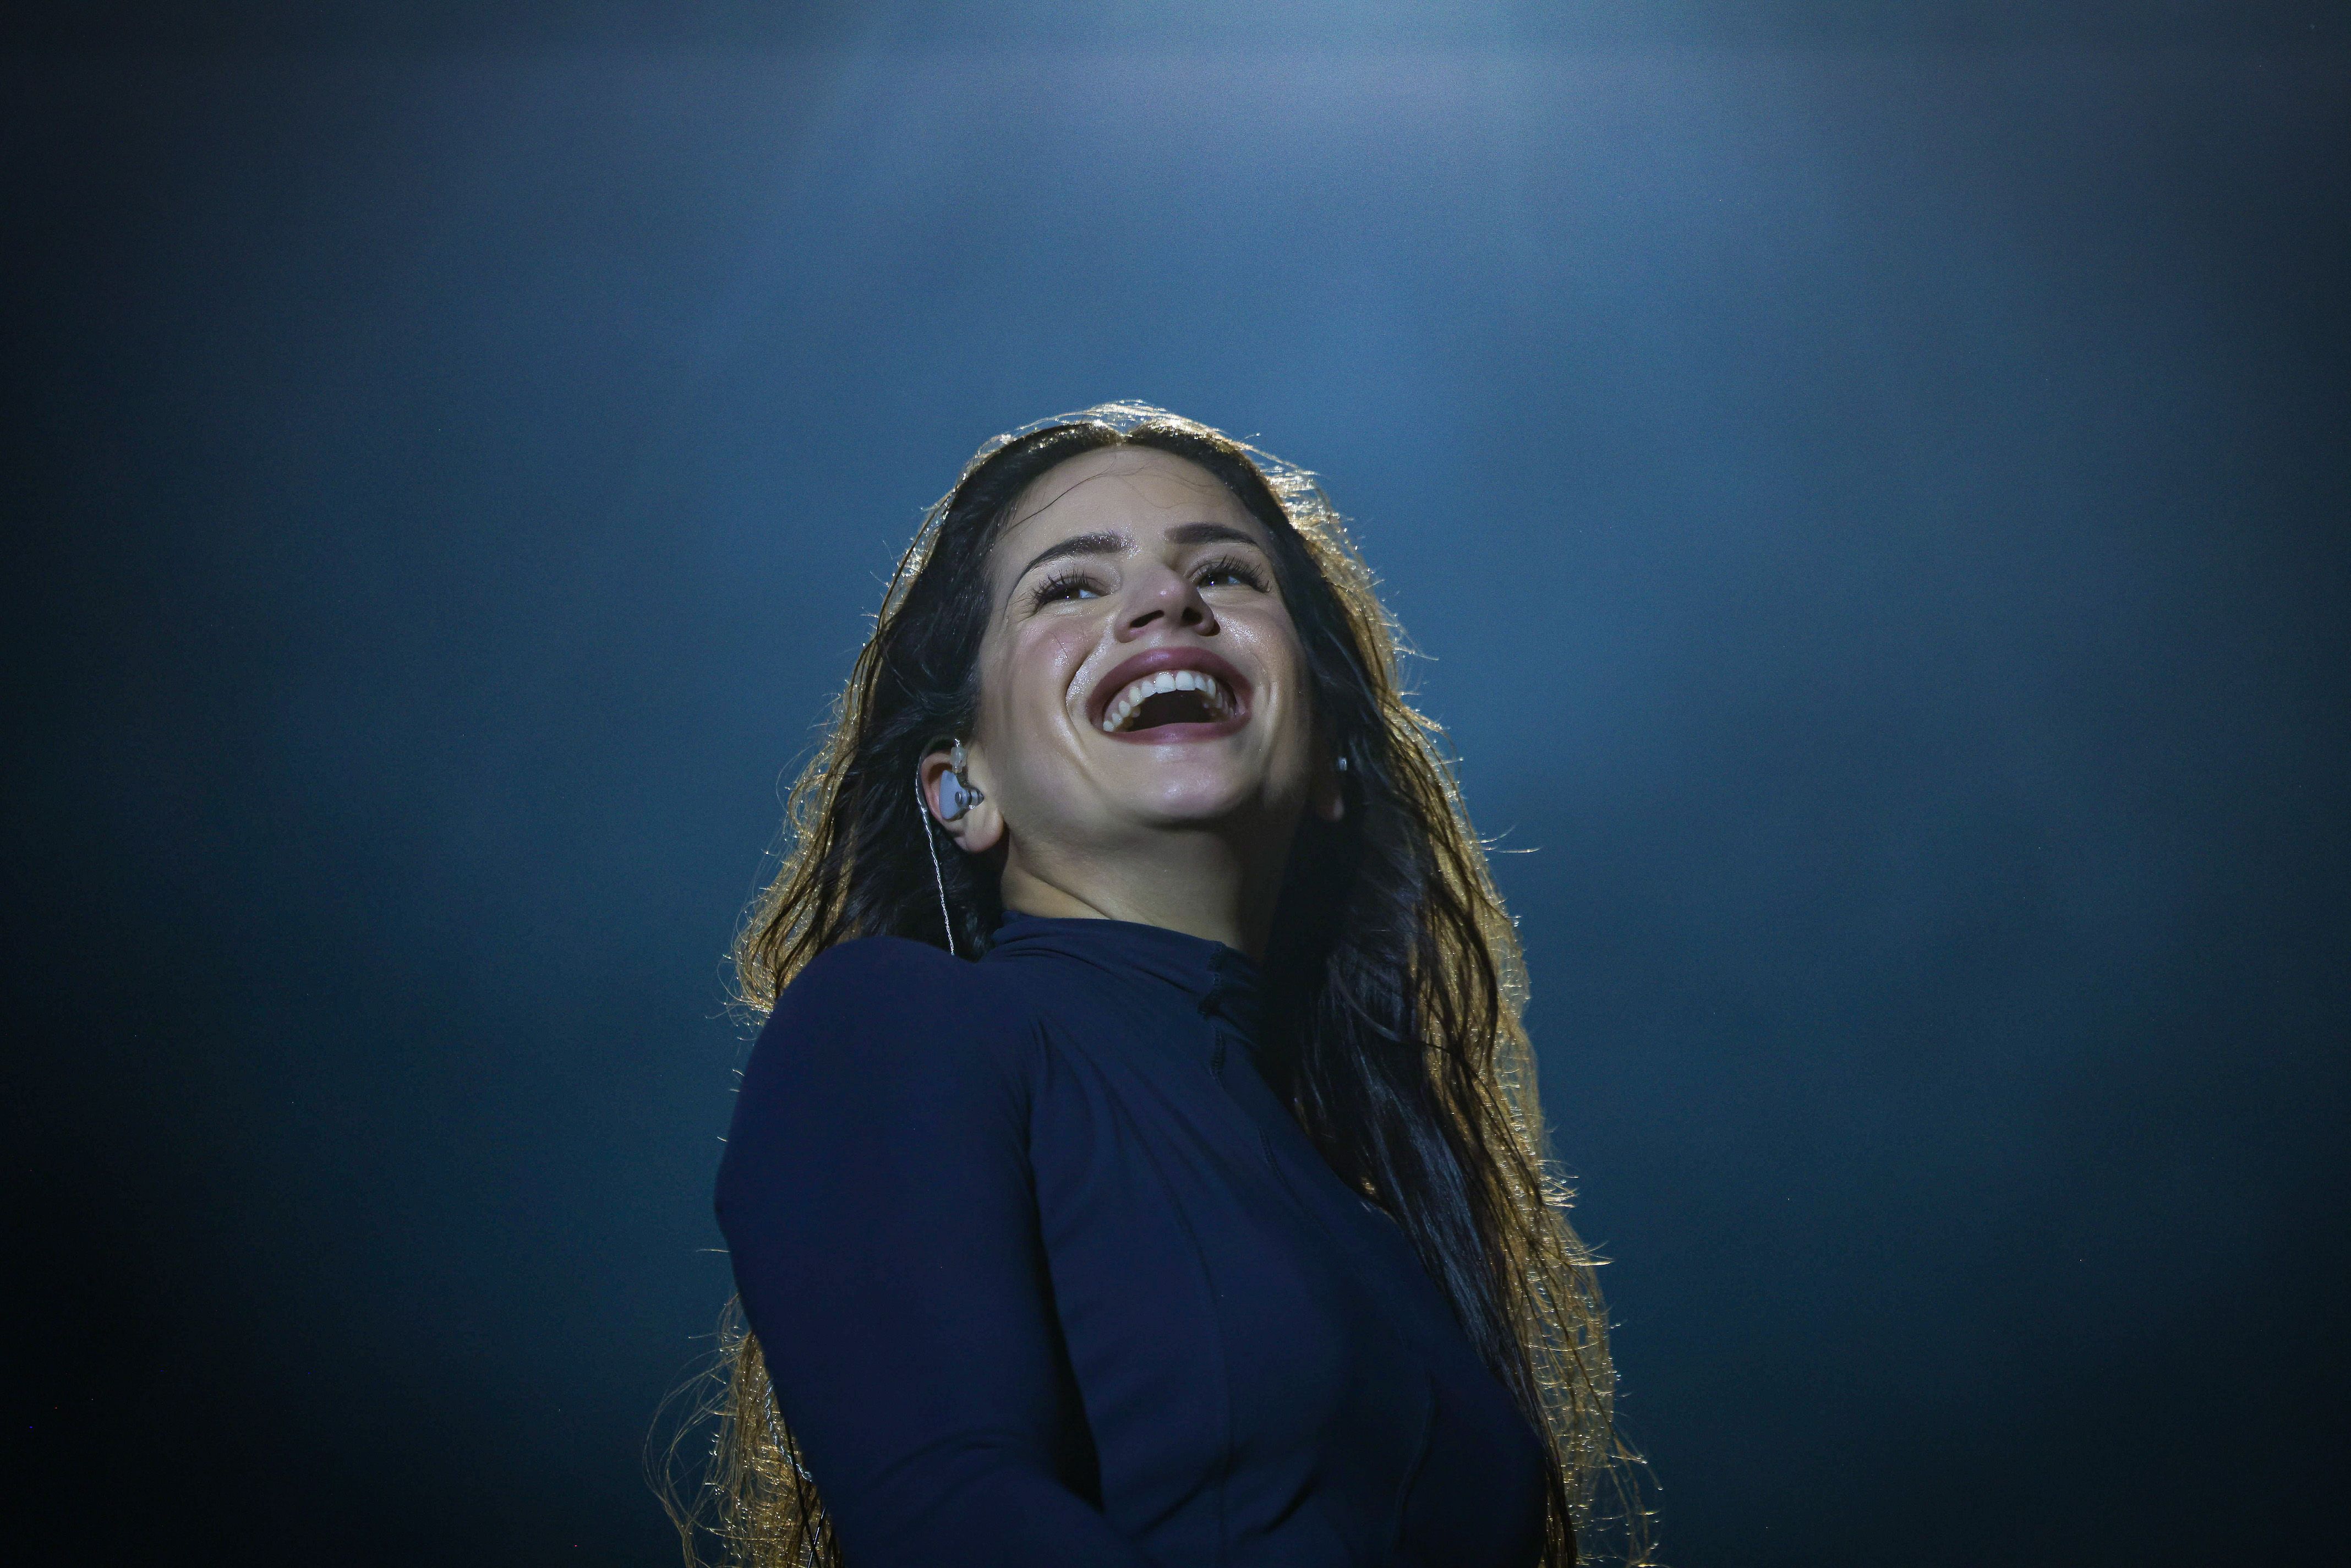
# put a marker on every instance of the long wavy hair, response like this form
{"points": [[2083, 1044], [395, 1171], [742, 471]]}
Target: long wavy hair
{"points": [[1395, 984]]}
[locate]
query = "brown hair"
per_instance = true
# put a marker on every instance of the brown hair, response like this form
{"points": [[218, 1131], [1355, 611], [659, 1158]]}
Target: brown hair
{"points": [[1395, 981]]}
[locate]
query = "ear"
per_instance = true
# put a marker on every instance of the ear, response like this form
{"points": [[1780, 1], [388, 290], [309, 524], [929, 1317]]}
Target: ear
{"points": [[1328, 797], [978, 830]]}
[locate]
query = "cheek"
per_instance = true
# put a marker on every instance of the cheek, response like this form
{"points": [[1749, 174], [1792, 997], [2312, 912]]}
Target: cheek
{"points": [[1283, 660], [1027, 677]]}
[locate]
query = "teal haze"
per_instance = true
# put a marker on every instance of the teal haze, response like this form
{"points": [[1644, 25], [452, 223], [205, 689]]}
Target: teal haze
{"points": [[1873, 505]]}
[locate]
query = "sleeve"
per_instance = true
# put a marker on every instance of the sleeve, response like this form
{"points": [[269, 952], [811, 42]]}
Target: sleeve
{"points": [[878, 1206]]}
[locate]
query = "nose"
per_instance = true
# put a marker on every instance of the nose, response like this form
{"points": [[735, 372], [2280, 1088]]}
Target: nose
{"points": [[1170, 597]]}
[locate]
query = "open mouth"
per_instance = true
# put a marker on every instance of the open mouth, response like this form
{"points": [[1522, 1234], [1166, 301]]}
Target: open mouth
{"points": [[1170, 696]]}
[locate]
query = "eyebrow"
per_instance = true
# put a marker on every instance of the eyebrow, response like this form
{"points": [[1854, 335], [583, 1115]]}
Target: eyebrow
{"points": [[1077, 544], [1210, 534], [1118, 544]]}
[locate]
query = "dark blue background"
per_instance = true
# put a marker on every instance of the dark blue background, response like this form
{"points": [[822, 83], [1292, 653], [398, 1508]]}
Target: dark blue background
{"points": [[1873, 494]]}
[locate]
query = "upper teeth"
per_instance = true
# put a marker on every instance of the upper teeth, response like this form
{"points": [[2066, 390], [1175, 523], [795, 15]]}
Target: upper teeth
{"points": [[1123, 705]]}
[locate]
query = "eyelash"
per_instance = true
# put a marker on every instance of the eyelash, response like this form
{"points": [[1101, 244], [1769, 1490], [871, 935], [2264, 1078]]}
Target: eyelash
{"points": [[1060, 585], [1068, 584], [1231, 566]]}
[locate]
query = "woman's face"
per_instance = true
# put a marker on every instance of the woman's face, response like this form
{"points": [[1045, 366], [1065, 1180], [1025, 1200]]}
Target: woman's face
{"points": [[1139, 672]]}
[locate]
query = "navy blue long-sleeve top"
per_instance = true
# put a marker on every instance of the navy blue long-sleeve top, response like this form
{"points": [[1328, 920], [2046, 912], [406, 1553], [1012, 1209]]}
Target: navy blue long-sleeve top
{"points": [[1044, 1273]]}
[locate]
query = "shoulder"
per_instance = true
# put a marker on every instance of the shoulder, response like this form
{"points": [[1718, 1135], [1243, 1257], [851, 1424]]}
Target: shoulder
{"points": [[881, 986], [887, 1002], [883, 1057], [893, 964]]}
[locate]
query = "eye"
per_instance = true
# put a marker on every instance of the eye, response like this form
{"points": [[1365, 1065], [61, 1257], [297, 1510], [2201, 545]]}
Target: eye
{"points": [[1225, 570], [1063, 585]]}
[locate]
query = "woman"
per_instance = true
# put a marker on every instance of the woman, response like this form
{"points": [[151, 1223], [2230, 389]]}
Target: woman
{"points": [[1139, 1164]]}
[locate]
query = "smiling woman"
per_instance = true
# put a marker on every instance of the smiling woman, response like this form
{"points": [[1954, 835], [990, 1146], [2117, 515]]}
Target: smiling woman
{"points": [[1144, 707], [1203, 1219]]}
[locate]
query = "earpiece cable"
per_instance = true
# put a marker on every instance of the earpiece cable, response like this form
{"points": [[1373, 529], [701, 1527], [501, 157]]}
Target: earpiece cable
{"points": [[938, 878]]}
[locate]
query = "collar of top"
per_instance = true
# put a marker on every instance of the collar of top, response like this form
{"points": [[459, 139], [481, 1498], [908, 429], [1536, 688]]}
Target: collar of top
{"points": [[1221, 983]]}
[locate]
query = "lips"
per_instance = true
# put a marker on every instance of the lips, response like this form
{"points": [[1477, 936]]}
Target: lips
{"points": [[1168, 695]]}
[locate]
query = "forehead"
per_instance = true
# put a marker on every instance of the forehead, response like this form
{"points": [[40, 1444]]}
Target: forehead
{"points": [[1130, 490]]}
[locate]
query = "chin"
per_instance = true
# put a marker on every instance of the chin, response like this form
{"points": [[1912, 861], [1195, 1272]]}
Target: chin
{"points": [[1200, 795]]}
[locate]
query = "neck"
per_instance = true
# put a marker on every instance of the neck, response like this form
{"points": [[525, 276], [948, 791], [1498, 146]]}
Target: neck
{"points": [[1200, 884]]}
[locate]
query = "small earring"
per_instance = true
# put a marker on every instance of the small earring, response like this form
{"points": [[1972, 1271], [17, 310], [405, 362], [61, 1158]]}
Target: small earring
{"points": [[958, 793]]}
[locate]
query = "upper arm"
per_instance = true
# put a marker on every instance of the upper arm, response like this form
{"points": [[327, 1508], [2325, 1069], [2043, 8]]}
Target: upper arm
{"points": [[878, 1204]]}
